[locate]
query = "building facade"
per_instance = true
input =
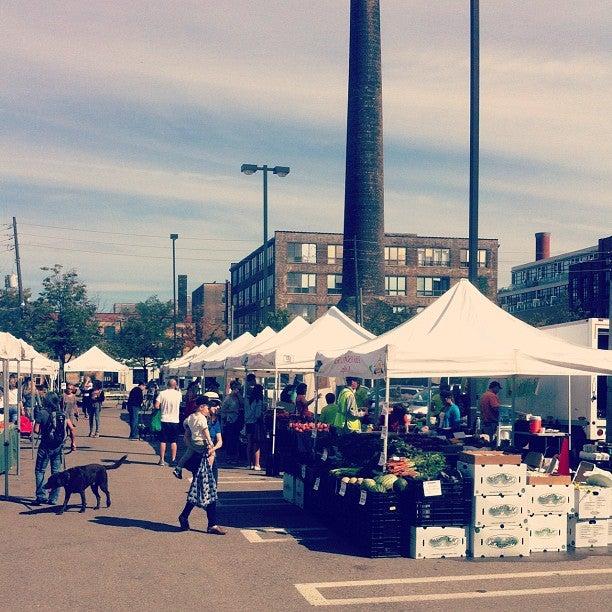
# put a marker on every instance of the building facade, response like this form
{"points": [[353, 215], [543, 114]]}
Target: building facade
{"points": [[589, 283], [210, 312], [544, 282], [305, 273]]}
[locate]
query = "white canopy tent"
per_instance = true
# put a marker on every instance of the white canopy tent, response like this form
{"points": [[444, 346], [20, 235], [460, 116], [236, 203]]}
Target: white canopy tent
{"points": [[172, 366], [464, 333], [194, 367], [239, 344], [95, 360], [220, 360]]}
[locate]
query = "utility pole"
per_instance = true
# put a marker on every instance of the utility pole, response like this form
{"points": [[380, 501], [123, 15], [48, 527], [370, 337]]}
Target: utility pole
{"points": [[174, 237], [18, 266]]}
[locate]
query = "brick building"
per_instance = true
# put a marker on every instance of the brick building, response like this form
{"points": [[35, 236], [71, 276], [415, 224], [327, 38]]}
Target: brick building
{"points": [[589, 283], [305, 273], [210, 311], [109, 323]]}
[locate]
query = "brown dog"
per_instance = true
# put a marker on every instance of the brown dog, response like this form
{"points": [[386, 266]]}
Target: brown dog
{"points": [[77, 479]]}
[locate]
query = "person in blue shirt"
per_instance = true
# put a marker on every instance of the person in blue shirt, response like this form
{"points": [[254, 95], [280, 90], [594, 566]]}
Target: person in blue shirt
{"points": [[452, 414]]}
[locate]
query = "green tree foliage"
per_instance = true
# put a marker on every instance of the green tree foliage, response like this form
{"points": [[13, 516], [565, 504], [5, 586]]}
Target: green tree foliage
{"points": [[549, 315], [62, 319], [277, 319], [378, 317], [14, 318], [143, 340]]}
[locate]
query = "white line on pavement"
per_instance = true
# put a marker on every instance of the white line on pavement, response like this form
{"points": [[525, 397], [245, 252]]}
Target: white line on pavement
{"points": [[254, 537]]}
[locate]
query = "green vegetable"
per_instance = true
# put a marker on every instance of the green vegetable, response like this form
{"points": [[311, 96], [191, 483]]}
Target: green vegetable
{"points": [[400, 485]]}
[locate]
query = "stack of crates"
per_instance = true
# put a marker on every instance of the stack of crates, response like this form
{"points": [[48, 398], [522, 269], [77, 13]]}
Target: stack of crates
{"points": [[588, 523], [549, 501], [499, 517], [434, 518]]}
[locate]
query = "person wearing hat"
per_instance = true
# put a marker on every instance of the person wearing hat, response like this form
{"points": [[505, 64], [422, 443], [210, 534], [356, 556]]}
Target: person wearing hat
{"points": [[348, 416], [51, 425], [489, 409]]}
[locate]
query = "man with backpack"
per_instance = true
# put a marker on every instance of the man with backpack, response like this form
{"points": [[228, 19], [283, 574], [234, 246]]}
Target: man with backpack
{"points": [[51, 425]]}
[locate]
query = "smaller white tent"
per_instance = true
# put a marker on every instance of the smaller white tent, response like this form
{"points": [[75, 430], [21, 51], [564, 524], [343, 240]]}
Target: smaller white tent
{"points": [[194, 367], [172, 366], [333, 331], [95, 360], [219, 361], [248, 358], [12, 348], [239, 344]]}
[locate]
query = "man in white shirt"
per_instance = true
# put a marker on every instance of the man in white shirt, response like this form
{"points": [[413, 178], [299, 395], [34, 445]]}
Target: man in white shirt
{"points": [[169, 403]]}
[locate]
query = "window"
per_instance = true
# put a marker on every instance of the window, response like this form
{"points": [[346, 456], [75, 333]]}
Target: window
{"points": [[306, 311], [110, 331], [334, 284], [428, 286], [298, 252], [234, 277], [335, 252], [270, 254], [433, 257], [260, 260], [301, 283], [395, 285], [398, 309], [483, 256], [270, 284], [241, 298], [395, 255], [260, 288]]}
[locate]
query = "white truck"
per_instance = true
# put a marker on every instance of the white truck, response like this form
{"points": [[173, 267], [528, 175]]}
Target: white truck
{"points": [[589, 393]]}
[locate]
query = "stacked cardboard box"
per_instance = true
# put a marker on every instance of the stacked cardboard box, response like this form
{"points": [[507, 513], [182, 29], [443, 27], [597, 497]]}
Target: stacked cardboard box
{"points": [[588, 525], [438, 542], [549, 501], [499, 526]]}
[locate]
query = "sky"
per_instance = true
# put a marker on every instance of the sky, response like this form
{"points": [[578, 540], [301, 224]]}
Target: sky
{"points": [[122, 122]]}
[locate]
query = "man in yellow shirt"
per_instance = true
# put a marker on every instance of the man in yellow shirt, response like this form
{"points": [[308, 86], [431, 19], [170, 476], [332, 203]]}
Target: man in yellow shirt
{"points": [[348, 416]]}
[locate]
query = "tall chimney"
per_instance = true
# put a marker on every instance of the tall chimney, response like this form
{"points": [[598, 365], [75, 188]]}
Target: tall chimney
{"points": [[542, 245], [363, 260]]}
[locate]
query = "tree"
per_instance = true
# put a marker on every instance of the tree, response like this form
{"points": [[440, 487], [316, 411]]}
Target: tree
{"points": [[62, 319], [277, 319], [144, 339], [14, 318], [378, 317], [550, 315]]}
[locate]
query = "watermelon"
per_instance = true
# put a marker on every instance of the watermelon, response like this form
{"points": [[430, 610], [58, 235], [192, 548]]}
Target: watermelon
{"points": [[368, 484], [400, 485]]}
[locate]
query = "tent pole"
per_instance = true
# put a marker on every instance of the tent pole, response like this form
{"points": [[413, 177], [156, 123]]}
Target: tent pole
{"points": [[386, 436], [428, 401], [5, 376], [274, 415], [569, 412], [18, 423]]}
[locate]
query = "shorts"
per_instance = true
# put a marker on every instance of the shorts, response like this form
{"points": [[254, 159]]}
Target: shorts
{"points": [[170, 432]]}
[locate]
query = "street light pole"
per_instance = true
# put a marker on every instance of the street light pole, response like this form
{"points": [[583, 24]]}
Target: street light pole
{"points": [[281, 171], [174, 237], [474, 138]]}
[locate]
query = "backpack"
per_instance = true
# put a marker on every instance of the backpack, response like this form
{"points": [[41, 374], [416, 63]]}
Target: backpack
{"points": [[54, 431]]}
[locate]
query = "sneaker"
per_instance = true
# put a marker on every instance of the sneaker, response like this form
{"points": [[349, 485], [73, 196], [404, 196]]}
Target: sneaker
{"points": [[96, 435], [162, 463], [257, 468], [183, 522], [173, 463], [39, 501], [215, 530], [178, 472]]}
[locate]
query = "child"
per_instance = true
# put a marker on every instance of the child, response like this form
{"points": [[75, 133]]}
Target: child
{"points": [[197, 436]]}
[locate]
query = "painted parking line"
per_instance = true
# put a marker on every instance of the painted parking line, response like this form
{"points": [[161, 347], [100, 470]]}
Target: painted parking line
{"points": [[312, 591], [292, 534]]}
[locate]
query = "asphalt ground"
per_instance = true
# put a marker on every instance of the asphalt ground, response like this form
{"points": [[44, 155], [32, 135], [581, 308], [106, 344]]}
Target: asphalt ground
{"points": [[274, 557]]}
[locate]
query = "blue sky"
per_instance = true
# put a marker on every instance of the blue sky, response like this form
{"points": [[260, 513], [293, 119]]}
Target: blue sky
{"points": [[131, 120]]}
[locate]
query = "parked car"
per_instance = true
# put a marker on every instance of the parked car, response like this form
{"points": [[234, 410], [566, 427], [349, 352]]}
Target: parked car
{"points": [[418, 403]]}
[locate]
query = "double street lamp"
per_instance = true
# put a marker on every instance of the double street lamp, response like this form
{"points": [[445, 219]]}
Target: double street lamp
{"points": [[281, 171], [174, 238]]}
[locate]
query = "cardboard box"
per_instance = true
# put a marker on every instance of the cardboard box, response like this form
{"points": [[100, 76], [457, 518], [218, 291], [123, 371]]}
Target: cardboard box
{"points": [[438, 542], [587, 533], [489, 457], [495, 479], [549, 499], [498, 541], [499, 510], [289, 488], [592, 502], [547, 532], [545, 479], [298, 497]]}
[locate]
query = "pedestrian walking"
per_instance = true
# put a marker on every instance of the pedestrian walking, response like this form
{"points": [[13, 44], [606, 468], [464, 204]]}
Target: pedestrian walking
{"points": [[51, 425], [85, 396], [214, 428], [134, 402], [169, 403], [202, 494], [253, 422], [231, 410], [97, 399]]}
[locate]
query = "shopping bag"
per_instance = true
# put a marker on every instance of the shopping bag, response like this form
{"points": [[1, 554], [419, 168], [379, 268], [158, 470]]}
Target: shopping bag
{"points": [[156, 421]]}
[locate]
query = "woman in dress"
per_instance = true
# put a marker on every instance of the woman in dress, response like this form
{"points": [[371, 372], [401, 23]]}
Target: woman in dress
{"points": [[203, 494]]}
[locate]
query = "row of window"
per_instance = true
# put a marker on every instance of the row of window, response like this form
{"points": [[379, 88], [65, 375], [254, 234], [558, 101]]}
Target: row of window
{"points": [[255, 293], [548, 272], [544, 295], [253, 265]]}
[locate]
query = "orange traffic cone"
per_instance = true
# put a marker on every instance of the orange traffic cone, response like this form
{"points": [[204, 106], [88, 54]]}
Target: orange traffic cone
{"points": [[564, 459]]}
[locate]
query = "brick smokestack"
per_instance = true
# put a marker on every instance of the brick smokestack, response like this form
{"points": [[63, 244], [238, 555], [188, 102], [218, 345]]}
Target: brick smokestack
{"points": [[363, 261], [542, 245]]}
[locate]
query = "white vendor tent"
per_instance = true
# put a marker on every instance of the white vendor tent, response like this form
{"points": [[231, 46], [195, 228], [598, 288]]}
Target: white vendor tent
{"points": [[245, 360], [220, 359], [464, 333], [194, 367], [95, 360], [172, 366], [239, 344], [333, 331]]}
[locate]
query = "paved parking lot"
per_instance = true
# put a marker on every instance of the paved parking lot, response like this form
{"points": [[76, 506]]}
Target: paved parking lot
{"points": [[274, 557]]}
